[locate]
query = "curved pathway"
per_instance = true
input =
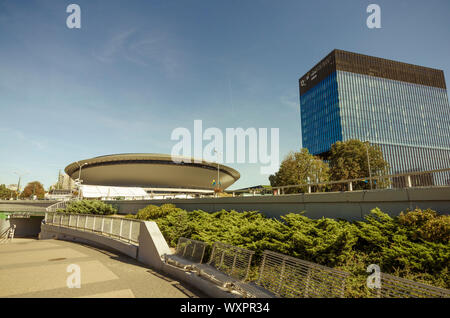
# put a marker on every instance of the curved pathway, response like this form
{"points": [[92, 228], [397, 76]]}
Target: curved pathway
{"points": [[39, 268]]}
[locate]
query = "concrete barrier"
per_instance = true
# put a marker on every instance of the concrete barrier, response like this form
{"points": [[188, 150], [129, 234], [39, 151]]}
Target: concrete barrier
{"points": [[25, 205], [346, 205]]}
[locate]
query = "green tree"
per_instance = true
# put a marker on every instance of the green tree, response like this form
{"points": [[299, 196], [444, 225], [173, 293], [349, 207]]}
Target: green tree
{"points": [[349, 160], [299, 168], [5, 193], [33, 188]]}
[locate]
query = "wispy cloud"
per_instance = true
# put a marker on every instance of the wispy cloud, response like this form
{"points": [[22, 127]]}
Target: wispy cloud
{"points": [[143, 49], [114, 122], [291, 101], [114, 46], [34, 142], [24, 138]]}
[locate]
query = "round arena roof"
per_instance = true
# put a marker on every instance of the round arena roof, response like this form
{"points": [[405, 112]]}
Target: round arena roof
{"points": [[151, 171]]}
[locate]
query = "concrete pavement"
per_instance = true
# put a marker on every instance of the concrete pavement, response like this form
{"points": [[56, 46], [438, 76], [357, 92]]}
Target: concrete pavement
{"points": [[33, 268]]}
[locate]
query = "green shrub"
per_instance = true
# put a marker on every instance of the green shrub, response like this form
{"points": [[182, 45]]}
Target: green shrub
{"points": [[413, 245], [90, 207], [426, 224], [152, 212]]}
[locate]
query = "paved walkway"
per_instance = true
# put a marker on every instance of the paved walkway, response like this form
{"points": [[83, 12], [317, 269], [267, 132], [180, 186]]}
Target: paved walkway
{"points": [[34, 268]]}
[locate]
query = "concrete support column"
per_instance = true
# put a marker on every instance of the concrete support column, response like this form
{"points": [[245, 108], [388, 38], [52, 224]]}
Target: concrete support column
{"points": [[152, 245]]}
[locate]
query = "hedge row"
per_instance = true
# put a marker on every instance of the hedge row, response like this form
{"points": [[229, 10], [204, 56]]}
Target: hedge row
{"points": [[89, 207]]}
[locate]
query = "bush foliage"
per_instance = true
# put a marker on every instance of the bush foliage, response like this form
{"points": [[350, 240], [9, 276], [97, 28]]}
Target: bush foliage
{"points": [[414, 245], [152, 212], [90, 207]]}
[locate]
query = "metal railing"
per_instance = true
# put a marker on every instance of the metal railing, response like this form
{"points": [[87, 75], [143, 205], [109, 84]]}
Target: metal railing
{"points": [[8, 234], [119, 228], [59, 205], [287, 276], [231, 260], [397, 287], [190, 249], [430, 178]]}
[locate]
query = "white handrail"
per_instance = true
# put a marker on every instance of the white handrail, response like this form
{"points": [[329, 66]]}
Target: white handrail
{"points": [[114, 230], [58, 205]]}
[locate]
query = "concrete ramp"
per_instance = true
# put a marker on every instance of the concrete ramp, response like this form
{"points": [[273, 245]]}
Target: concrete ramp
{"points": [[149, 249], [49, 231]]}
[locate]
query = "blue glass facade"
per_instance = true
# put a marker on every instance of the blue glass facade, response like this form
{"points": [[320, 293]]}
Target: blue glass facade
{"points": [[320, 108], [409, 121]]}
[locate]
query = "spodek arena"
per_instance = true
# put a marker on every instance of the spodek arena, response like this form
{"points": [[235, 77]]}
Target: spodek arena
{"points": [[148, 176]]}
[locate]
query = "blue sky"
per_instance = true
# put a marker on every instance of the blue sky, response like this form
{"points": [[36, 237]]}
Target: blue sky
{"points": [[136, 70]]}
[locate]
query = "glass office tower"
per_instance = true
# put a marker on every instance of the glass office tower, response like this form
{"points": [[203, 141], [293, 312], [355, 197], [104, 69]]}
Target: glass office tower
{"points": [[400, 107]]}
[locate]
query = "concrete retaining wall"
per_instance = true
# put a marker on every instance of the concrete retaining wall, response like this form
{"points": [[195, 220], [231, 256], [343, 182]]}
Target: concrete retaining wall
{"points": [[36, 203], [346, 205], [25, 205]]}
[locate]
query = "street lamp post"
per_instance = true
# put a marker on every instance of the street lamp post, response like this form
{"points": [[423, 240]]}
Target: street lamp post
{"points": [[218, 169], [368, 160], [18, 188], [79, 179]]}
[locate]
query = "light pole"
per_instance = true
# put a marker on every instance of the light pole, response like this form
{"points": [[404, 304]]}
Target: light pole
{"points": [[18, 188], [79, 179], [218, 169], [318, 176], [368, 160]]}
